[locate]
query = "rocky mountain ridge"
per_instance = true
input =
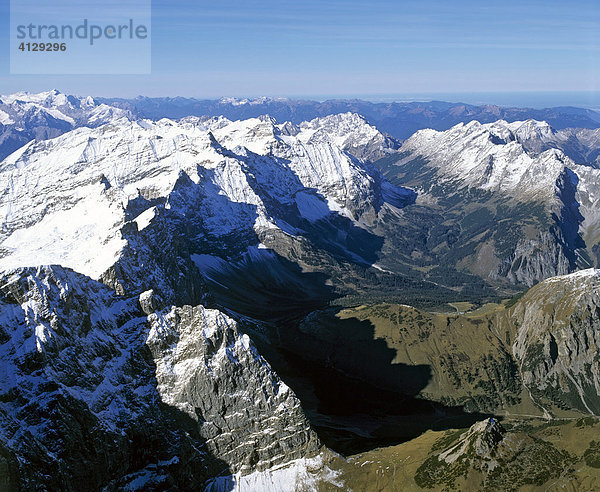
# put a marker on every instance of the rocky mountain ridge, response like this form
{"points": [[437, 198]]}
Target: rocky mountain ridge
{"points": [[169, 399], [398, 119], [25, 116], [179, 247], [533, 215]]}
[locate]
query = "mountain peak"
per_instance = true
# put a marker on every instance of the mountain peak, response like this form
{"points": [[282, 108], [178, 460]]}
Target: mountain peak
{"points": [[351, 132], [481, 439], [51, 97], [491, 156], [64, 178]]}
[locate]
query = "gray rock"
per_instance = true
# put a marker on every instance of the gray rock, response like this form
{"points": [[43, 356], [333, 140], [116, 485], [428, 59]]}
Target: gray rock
{"points": [[96, 394]]}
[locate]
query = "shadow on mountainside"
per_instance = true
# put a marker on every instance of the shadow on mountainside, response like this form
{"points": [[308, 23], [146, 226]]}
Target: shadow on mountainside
{"points": [[89, 415], [354, 394], [570, 219]]}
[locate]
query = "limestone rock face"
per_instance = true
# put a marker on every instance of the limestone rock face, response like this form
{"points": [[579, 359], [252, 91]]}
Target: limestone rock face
{"points": [[95, 393], [479, 443], [488, 457], [558, 341], [535, 259], [208, 370]]}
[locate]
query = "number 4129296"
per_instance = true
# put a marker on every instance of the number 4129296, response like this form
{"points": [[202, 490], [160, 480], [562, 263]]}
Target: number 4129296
{"points": [[43, 47]]}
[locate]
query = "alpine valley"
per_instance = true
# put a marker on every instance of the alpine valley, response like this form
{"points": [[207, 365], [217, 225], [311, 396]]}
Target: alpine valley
{"points": [[278, 295]]}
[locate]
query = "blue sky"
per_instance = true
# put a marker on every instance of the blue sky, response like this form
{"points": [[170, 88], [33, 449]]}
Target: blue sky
{"points": [[378, 48]]}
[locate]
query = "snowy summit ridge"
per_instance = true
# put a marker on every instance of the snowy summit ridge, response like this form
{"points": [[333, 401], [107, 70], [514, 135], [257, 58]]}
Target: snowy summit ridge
{"points": [[65, 199]]}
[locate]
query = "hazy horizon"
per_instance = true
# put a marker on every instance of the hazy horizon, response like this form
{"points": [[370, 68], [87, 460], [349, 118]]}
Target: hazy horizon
{"points": [[342, 49], [519, 99]]}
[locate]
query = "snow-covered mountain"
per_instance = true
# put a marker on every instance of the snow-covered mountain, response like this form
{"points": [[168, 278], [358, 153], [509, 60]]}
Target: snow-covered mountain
{"points": [[540, 207], [351, 132], [398, 119], [497, 156], [102, 391], [500, 157], [135, 217], [25, 116], [582, 145], [258, 190], [66, 200], [156, 276]]}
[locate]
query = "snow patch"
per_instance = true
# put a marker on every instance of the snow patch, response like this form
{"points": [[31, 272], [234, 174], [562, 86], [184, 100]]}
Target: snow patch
{"points": [[5, 118], [85, 238], [301, 474], [143, 220]]}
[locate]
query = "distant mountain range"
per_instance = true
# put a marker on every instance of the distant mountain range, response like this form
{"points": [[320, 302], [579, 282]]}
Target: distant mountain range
{"points": [[24, 116], [399, 119]]}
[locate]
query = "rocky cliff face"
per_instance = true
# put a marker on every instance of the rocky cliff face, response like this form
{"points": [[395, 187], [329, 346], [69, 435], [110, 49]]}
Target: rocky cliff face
{"points": [[479, 449], [534, 259], [530, 208], [208, 370], [96, 393], [557, 342]]}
